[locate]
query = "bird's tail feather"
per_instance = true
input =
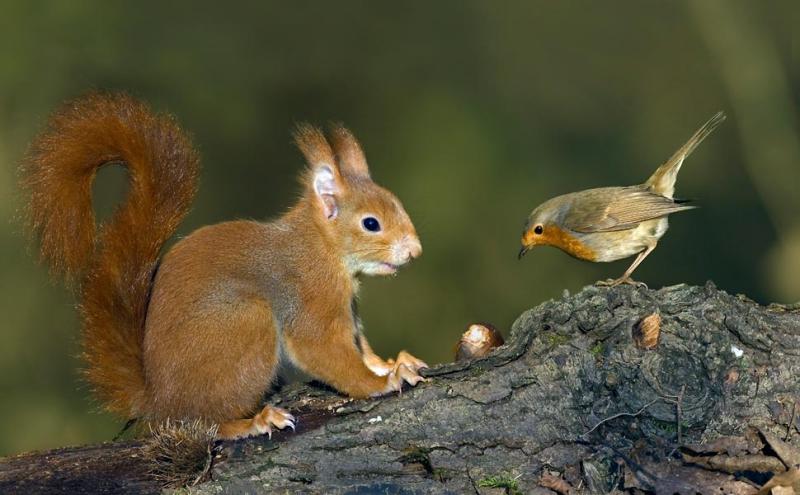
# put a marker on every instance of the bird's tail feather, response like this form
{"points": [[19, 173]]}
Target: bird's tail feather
{"points": [[663, 179]]}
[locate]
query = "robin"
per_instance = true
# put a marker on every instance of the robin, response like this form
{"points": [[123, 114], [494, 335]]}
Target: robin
{"points": [[612, 223]]}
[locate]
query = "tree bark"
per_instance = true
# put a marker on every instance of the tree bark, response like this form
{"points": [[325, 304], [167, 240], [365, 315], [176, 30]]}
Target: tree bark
{"points": [[570, 397]]}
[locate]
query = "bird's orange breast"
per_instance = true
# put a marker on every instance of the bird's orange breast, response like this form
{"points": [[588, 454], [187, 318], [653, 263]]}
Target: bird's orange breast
{"points": [[563, 240]]}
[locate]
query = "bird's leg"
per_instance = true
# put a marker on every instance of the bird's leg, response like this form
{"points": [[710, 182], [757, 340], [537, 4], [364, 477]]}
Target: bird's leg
{"points": [[626, 277]]}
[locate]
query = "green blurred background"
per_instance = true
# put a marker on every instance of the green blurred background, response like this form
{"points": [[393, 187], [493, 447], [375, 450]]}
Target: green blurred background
{"points": [[472, 112]]}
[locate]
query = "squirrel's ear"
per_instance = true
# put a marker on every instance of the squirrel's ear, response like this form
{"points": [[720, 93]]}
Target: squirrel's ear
{"points": [[323, 176], [326, 189], [351, 158]]}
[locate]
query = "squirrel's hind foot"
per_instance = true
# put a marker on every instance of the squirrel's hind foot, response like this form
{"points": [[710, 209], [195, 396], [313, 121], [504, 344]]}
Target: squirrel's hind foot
{"points": [[259, 424]]}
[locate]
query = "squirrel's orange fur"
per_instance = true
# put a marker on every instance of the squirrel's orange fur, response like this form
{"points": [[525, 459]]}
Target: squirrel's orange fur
{"points": [[203, 333]]}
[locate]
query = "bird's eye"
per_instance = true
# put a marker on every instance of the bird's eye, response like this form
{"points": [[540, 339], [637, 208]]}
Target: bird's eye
{"points": [[538, 229], [371, 224]]}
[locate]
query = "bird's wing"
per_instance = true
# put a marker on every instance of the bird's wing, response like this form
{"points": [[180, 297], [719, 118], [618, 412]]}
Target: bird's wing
{"points": [[617, 208]]}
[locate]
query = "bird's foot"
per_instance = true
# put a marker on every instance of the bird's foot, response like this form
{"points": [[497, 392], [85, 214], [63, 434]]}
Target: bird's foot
{"points": [[611, 282]]}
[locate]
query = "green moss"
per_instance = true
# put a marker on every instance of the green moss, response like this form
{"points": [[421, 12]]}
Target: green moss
{"points": [[597, 349], [476, 371], [555, 339], [669, 426], [501, 481]]}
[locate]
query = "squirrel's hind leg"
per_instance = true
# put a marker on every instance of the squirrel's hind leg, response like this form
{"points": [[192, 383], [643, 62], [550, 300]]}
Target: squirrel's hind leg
{"points": [[259, 424], [214, 365]]}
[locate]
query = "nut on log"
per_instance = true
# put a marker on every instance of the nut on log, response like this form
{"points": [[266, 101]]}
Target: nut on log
{"points": [[647, 331], [478, 341]]}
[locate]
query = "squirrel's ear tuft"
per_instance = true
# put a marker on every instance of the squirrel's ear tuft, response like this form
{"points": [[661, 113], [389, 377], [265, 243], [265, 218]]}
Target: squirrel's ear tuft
{"points": [[312, 143], [351, 159]]}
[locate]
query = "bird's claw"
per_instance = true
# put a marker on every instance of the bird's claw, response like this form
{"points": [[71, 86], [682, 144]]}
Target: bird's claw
{"points": [[619, 281]]}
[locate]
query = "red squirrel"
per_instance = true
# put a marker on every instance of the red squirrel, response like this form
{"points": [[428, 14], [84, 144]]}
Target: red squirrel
{"points": [[201, 332]]}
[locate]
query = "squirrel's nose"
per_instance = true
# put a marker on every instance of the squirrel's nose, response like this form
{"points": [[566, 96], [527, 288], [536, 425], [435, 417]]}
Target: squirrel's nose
{"points": [[406, 249], [414, 248]]}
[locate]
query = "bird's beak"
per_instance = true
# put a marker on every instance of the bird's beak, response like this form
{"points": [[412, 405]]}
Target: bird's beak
{"points": [[528, 241]]}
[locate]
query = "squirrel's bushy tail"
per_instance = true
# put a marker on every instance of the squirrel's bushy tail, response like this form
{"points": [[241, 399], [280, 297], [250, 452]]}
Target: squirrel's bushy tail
{"points": [[112, 265]]}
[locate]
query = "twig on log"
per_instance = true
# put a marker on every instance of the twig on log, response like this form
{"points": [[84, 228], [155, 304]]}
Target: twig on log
{"points": [[678, 401], [619, 415], [791, 423]]}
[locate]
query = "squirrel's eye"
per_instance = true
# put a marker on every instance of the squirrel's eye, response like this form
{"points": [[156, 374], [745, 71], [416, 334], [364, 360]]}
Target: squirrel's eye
{"points": [[538, 229], [371, 224]]}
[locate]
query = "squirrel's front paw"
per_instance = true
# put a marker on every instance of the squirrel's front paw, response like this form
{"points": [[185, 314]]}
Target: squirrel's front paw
{"points": [[401, 374], [378, 365], [411, 362], [383, 368]]}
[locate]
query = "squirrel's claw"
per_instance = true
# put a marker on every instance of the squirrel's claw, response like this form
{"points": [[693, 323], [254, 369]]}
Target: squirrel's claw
{"points": [[273, 416], [408, 375], [262, 423], [411, 362], [400, 375]]}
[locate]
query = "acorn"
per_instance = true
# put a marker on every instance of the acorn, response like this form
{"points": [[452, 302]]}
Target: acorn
{"points": [[647, 331], [478, 341]]}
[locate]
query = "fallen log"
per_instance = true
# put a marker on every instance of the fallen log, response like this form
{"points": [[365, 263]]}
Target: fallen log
{"points": [[576, 399]]}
